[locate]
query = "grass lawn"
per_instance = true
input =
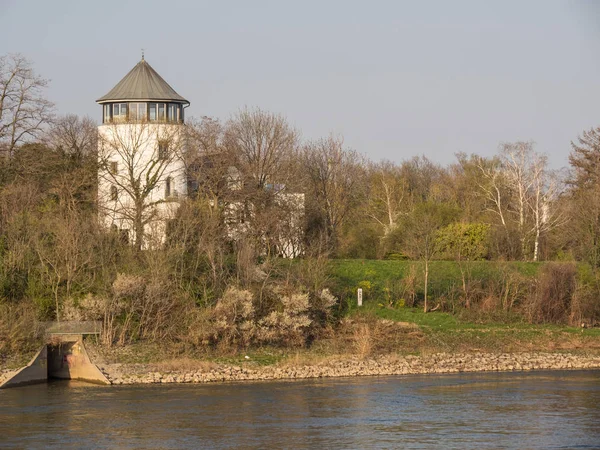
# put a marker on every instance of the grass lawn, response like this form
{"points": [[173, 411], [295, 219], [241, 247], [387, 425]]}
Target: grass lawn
{"points": [[445, 332], [377, 276]]}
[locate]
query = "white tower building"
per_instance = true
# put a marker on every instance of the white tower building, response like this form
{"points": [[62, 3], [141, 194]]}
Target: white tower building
{"points": [[140, 153]]}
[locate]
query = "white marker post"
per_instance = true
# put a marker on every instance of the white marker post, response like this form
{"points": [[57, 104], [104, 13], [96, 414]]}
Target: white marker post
{"points": [[359, 295]]}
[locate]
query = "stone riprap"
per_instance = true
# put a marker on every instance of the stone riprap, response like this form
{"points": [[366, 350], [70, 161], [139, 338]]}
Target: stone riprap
{"points": [[349, 367]]}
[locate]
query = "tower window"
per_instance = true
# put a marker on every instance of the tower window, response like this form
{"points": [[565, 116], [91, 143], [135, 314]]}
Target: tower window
{"points": [[124, 235], [157, 112], [119, 111], [137, 111], [174, 112], [114, 193], [107, 116], [114, 167], [163, 150], [164, 112], [152, 110], [168, 187]]}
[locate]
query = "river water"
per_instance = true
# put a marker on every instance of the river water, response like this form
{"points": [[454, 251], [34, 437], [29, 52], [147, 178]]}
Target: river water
{"points": [[492, 410]]}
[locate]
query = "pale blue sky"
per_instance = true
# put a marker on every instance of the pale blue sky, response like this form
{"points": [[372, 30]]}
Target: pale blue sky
{"points": [[396, 78]]}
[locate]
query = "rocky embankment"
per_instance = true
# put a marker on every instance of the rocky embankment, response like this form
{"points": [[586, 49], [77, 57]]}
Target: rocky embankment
{"points": [[351, 366]]}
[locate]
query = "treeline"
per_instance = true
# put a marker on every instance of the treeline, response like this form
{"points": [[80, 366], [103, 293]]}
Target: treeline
{"points": [[258, 191]]}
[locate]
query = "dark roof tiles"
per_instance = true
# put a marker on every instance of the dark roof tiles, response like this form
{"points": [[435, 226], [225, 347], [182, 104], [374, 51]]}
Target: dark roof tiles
{"points": [[142, 83]]}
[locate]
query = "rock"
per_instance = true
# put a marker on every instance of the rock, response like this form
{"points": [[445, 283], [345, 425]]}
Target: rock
{"points": [[353, 366]]}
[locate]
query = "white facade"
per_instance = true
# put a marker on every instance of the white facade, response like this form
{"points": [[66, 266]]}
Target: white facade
{"points": [[141, 177], [290, 233]]}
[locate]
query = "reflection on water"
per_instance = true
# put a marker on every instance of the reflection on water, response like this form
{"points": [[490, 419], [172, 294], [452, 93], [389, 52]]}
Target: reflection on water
{"points": [[511, 410]]}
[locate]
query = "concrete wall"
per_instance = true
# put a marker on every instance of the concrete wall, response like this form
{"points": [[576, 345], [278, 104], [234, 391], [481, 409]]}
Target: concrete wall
{"points": [[63, 359], [134, 148], [68, 360], [34, 372]]}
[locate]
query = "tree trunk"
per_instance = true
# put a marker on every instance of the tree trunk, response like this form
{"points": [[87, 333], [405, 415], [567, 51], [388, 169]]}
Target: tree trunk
{"points": [[463, 277], [536, 244], [426, 283], [139, 228], [56, 301]]}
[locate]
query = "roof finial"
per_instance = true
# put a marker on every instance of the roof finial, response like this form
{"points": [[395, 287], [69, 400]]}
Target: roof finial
{"points": [[142, 54]]}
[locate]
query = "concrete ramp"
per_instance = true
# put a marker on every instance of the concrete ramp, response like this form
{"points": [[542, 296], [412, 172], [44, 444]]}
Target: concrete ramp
{"points": [[34, 372], [64, 358]]}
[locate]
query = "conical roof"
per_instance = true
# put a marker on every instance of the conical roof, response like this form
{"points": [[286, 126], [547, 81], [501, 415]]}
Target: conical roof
{"points": [[142, 83]]}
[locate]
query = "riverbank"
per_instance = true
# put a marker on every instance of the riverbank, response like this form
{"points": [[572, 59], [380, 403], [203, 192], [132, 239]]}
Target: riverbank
{"points": [[371, 341], [349, 366], [189, 370]]}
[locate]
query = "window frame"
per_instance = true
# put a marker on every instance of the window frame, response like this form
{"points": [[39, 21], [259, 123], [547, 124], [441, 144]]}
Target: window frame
{"points": [[114, 193], [174, 110], [168, 187], [107, 113], [138, 111], [122, 111], [163, 150], [152, 111]]}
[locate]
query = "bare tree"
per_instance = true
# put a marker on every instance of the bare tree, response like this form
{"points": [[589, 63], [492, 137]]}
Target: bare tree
{"points": [[137, 160], [205, 136], [585, 160], [518, 160], [208, 164], [74, 136], [65, 249], [422, 178], [262, 144], [198, 245], [23, 109], [335, 182], [261, 147], [492, 188], [421, 232], [583, 200], [546, 189], [387, 195], [534, 189]]}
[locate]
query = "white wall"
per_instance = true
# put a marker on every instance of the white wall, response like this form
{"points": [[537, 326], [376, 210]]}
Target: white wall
{"points": [[134, 148]]}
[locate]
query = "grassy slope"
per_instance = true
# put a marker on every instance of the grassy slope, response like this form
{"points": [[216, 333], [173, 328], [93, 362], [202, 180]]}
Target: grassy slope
{"points": [[446, 332], [443, 275]]}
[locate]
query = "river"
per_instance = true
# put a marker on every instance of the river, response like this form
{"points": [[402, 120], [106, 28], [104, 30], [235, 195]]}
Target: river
{"points": [[466, 411]]}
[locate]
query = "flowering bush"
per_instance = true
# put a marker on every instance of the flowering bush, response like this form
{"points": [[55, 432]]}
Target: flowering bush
{"points": [[234, 319], [289, 325]]}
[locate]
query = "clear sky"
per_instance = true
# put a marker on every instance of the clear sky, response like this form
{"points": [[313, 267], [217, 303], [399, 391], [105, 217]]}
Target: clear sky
{"points": [[395, 78]]}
